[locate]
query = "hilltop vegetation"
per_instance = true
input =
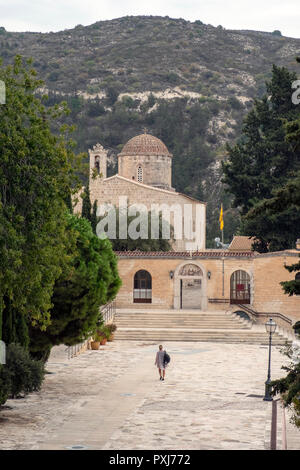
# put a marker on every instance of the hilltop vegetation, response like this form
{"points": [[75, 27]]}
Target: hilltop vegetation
{"points": [[189, 84]]}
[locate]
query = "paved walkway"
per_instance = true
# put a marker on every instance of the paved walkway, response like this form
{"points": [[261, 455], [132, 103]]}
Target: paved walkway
{"points": [[112, 399]]}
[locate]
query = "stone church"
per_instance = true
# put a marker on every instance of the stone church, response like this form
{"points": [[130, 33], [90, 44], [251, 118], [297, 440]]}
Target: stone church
{"points": [[190, 276], [145, 178]]}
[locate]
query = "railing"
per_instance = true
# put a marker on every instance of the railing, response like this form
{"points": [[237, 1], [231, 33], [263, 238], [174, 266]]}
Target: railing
{"points": [[108, 312], [284, 321], [219, 301], [72, 351]]}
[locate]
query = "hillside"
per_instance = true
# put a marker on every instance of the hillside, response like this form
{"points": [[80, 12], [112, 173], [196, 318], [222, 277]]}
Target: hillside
{"points": [[189, 84]]}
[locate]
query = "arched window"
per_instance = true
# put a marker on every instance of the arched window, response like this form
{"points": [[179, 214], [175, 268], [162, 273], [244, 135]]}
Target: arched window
{"points": [[240, 288], [97, 164], [142, 287], [140, 174]]}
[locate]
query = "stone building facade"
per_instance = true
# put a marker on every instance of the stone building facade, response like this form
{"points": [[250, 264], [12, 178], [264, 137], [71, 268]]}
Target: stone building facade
{"points": [[210, 280]]}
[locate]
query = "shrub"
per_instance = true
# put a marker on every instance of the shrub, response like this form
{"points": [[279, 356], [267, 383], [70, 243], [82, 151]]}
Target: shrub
{"points": [[172, 77], [25, 374], [111, 327], [95, 108], [234, 103], [103, 332], [112, 93], [5, 384], [53, 76], [151, 100], [296, 327]]}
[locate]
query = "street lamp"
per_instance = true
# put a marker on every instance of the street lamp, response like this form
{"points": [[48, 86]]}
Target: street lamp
{"points": [[270, 328]]}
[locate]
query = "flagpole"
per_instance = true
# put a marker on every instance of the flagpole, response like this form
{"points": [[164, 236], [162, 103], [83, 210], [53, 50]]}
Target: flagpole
{"points": [[222, 231]]}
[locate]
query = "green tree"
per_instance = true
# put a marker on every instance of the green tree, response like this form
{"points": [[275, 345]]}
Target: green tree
{"points": [[35, 175], [276, 221], [289, 386], [263, 159], [86, 203], [112, 92], [91, 280], [94, 218], [292, 287]]}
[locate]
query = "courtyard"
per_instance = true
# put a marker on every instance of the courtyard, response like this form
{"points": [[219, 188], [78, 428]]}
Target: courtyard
{"points": [[113, 399]]}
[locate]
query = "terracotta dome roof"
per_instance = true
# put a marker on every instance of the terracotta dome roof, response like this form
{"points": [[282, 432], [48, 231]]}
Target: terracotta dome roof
{"points": [[145, 144]]}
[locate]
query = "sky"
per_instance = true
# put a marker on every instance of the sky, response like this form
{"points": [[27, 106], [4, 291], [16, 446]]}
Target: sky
{"points": [[51, 15]]}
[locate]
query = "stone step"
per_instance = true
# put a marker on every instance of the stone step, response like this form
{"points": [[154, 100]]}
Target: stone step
{"points": [[223, 321], [159, 335], [196, 313], [173, 315], [195, 331], [163, 325], [178, 317], [216, 326]]}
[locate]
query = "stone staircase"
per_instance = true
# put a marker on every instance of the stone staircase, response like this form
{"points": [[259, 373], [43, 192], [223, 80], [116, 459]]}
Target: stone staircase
{"points": [[189, 325]]}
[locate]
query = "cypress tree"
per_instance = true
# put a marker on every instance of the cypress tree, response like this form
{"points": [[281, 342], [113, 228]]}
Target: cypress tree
{"points": [[263, 159], [86, 204], [94, 218]]}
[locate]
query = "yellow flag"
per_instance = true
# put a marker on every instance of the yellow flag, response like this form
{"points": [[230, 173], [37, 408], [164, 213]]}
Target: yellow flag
{"points": [[221, 218]]}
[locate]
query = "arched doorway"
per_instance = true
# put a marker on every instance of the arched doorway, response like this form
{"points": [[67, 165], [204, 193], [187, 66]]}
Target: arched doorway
{"points": [[240, 287], [142, 287], [190, 284]]}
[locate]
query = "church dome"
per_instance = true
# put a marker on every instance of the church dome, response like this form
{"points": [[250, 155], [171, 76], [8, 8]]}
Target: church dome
{"points": [[145, 144]]}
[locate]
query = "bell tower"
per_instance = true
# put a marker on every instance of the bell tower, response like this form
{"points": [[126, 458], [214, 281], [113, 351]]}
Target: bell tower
{"points": [[98, 162]]}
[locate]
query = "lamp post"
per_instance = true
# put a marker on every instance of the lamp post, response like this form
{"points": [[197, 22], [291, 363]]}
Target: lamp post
{"points": [[270, 328]]}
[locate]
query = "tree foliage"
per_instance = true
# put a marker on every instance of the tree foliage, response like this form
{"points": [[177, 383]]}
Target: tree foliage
{"points": [[289, 386], [35, 176], [261, 171], [90, 280], [263, 159], [292, 287], [86, 203], [20, 375], [276, 221]]}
